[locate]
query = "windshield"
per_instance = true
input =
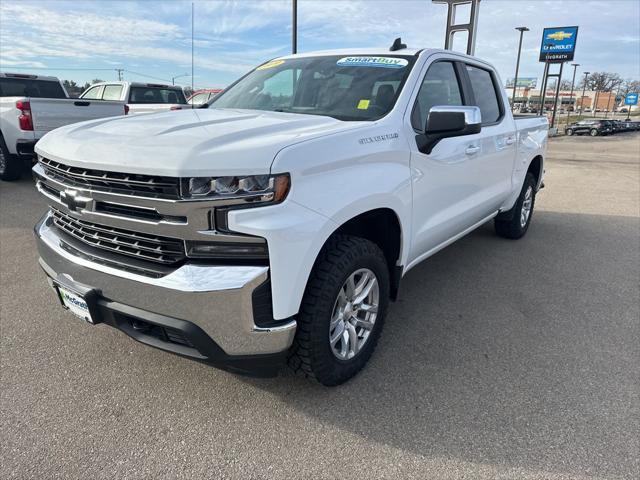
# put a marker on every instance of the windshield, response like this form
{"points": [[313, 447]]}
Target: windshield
{"points": [[346, 88]]}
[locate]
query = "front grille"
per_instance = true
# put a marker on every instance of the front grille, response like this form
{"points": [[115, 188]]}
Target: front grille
{"points": [[142, 246], [114, 182]]}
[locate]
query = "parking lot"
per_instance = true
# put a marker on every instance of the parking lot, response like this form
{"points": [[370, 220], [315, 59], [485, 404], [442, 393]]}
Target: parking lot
{"points": [[501, 359]]}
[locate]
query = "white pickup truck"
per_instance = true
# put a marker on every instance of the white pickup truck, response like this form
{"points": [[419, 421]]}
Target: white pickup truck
{"points": [[277, 221], [32, 105], [139, 97]]}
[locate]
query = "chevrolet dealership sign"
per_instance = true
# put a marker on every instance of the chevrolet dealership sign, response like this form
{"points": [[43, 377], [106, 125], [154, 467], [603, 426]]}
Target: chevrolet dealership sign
{"points": [[558, 44]]}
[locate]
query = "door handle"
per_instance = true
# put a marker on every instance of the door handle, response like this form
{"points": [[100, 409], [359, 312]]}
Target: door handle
{"points": [[471, 150], [510, 141]]}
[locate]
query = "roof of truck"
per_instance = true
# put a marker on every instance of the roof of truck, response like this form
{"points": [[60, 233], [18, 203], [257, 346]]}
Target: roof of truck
{"points": [[29, 76], [357, 51], [381, 52]]}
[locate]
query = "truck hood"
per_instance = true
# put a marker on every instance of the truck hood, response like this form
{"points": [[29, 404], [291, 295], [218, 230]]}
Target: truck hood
{"points": [[200, 142]]}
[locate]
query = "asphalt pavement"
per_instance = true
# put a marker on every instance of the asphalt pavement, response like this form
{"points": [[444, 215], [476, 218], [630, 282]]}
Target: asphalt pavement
{"points": [[501, 359]]}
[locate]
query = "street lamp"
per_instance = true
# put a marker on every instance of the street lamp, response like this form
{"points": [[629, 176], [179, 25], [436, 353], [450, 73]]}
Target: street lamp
{"points": [[584, 87], [173, 79], [515, 80], [575, 67]]}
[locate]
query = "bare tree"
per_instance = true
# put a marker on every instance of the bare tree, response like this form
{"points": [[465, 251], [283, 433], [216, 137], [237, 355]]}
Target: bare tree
{"points": [[602, 81], [565, 85], [630, 86]]}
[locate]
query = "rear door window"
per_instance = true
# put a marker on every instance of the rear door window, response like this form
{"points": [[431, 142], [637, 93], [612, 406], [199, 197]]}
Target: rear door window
{"points": [[112, 92], [485, 93]]}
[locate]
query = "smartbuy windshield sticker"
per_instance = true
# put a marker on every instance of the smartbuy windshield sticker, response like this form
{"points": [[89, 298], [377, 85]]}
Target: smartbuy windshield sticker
{"points": [[271, 64], [380, 62]]}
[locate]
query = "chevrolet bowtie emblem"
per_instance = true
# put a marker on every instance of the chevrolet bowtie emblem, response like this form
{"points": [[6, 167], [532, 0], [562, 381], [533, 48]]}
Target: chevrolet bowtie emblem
{"points": [[73, 200]]}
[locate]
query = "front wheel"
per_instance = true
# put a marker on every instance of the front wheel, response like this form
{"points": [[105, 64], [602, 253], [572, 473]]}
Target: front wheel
{"points": [[569, 132], [342, 311], [515, 223], [594, 132]]}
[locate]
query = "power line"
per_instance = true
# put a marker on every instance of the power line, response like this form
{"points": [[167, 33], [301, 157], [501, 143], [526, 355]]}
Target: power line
{"points": [[65, 68]]}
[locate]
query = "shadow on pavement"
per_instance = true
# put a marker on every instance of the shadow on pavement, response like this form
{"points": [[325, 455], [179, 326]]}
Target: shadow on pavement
{"points": [[502, 352]]}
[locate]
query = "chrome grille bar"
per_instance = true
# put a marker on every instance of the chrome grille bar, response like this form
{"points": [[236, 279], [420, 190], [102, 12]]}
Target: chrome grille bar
{"points": [[127, 183], [139, 245]]}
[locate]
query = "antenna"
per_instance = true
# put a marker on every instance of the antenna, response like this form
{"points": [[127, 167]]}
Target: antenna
{"points": [[397, 45], [469, 27]]}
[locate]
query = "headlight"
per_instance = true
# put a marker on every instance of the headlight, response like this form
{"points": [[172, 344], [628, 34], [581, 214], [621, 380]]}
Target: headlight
{"points": [[252, 188]]}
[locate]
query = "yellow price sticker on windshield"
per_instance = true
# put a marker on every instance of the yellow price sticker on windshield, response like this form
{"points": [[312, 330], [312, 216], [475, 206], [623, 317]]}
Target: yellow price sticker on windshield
{"points": [[363, 104], [271, 64]]}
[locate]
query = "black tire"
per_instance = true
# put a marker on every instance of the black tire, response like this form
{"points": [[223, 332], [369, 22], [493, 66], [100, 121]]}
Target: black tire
{"points": [[569, 132], [311, 353], [10, 165], [508, 224], [593, 132]]}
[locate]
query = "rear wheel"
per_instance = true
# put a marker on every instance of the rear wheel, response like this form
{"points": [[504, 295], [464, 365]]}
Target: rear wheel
{"points": [[10, 165], [515, 223], [342, 311], [594, 132], [569, 131]]}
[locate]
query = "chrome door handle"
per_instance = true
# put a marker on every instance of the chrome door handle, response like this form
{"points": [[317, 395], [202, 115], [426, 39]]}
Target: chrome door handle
{"points": [[472, 150], [510, 141]]}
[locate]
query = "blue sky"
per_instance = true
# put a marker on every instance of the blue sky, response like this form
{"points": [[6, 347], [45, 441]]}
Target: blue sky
{"points": [[153, 37]]}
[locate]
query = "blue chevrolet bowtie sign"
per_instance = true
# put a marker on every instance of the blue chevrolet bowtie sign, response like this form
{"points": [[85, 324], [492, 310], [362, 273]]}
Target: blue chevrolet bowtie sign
{"points": [[558, 44], [631, 99]]}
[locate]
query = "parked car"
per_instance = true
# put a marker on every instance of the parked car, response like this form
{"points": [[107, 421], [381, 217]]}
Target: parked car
{"points": [[268, 225], [203, 96], [32, 105], [589, 127], [139, 97]]}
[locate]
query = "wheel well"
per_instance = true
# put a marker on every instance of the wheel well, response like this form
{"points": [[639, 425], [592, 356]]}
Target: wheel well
{"points": [[382, 227], [535, 167]]}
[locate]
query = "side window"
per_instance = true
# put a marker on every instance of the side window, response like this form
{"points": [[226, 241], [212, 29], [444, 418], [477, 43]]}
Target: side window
{"points": [[439, 87], [112, 92], [199, 99], [485, 92], [93, 93]]}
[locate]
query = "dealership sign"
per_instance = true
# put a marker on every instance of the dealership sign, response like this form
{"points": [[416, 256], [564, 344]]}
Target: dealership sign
{"points": [[558, 44], [524, 82], [631, 99]]}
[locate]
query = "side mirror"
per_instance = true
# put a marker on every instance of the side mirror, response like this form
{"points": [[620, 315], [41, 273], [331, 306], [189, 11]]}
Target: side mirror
{"points": [[448, 121]]}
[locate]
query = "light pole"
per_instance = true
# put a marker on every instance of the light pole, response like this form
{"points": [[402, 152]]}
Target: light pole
{"points": [[573, 81], [294, 26], [584, 87], [173, 79], [515, 80]]}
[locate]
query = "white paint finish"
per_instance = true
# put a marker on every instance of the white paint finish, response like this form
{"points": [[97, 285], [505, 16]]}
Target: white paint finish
{"points": [[335, 174]]}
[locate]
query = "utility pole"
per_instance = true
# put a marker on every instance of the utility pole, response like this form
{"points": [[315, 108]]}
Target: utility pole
{"points": [[573, 81], [515, 80], [294, 26], [584, 87], [119, 70]]}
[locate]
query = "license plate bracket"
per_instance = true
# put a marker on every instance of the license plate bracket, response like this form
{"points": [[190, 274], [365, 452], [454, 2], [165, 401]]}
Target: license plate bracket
{"points": [[80, 300]]}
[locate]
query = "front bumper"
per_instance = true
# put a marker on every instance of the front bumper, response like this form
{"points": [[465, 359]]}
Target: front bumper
{"points": [[212, 307]]}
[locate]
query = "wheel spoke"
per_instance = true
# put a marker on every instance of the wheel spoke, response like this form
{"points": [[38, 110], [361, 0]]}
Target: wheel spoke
{"points": [[353, 338], [368, 308], [364, 279], [363, 323], [344, 349], [337, 333], [364, 292]]}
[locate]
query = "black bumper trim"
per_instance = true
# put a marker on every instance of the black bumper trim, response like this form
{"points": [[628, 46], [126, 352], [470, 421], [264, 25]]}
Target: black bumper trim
{"points": [[194, 343]]}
